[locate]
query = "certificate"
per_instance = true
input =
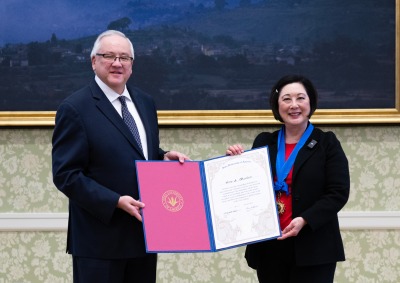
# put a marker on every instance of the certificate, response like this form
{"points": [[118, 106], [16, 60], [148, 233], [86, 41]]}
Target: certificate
{"points": [[207, 206]]}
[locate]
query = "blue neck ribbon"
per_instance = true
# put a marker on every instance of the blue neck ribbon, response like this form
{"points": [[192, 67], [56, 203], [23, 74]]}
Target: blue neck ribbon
{"points": [[283, 167]]}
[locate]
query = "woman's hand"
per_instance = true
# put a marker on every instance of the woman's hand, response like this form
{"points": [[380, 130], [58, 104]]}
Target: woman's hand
{"points": [[234, 149], [293, 228]]}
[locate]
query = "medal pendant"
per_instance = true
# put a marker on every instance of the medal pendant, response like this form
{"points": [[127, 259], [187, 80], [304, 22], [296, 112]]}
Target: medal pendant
{"points": [[281, 207]]}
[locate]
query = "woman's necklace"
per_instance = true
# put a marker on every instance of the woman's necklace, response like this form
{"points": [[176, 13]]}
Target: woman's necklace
{"points": [[280, 204]]}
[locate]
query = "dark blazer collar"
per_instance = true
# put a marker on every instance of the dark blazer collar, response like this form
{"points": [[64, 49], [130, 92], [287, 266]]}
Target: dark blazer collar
{"points": [[305, 152], [104, 105]]}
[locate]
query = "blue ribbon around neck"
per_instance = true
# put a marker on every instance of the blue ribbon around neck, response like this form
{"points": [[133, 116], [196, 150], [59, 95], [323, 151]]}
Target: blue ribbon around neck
{"points": [[283, 167]]}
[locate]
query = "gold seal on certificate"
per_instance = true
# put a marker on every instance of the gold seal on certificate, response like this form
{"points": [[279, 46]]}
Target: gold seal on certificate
{"points": [[172, 201]]}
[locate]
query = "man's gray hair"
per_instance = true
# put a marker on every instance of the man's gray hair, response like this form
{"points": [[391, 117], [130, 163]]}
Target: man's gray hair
{"points": [[97, 43]]}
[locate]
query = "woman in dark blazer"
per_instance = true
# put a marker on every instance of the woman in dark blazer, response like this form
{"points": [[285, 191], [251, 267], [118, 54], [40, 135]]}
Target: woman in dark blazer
{"points": [[311, 182]]}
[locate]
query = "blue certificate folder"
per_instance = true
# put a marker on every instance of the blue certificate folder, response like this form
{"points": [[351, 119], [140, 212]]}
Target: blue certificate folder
{"points": [[207, 206]]}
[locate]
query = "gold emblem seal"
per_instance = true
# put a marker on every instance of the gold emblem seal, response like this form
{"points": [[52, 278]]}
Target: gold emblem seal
{"points": [[172, 201], [280, 204], [281, 207]]}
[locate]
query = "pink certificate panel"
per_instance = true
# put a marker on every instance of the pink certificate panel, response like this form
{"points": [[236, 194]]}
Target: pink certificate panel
{"points": [[174, 218]]}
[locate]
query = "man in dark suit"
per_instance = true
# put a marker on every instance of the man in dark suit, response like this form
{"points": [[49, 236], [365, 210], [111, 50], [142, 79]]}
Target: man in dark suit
{"points": [[93, 158]]}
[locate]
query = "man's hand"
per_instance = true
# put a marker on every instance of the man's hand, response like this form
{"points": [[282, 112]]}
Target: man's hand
{"points": [[293, 228], [131, 206], [174, 155]]}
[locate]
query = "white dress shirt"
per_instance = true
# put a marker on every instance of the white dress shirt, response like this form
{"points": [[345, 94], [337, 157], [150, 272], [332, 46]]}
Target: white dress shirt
{"points": [[113, 98]]}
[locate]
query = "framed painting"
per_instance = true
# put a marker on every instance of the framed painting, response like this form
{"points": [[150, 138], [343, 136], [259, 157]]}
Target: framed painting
{"points": [[206, 62]]}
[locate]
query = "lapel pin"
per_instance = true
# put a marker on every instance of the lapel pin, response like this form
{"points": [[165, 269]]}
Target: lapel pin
{"points": [[312, 143]]}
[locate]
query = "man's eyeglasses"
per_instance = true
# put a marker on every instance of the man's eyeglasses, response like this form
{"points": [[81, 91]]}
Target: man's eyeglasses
{"points": [[111, 58]]}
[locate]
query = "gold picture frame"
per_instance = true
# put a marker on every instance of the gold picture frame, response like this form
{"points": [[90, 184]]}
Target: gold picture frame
{"points": [[241, 117]]}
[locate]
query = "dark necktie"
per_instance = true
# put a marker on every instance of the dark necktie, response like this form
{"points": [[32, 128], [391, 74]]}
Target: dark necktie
{"points": [[129, 121]]}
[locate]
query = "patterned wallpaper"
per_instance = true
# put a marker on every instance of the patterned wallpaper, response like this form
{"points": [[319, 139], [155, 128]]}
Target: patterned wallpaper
{"points": [[39, 256]]}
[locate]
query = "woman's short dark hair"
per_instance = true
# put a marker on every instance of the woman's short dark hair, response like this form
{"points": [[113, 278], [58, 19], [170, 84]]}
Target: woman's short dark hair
{"points": [[276, 89]]}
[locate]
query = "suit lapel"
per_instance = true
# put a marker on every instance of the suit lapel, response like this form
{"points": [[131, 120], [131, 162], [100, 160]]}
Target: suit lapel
{"points": [[305, 152], [273, 151], [109, 111], [143, 113]]}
